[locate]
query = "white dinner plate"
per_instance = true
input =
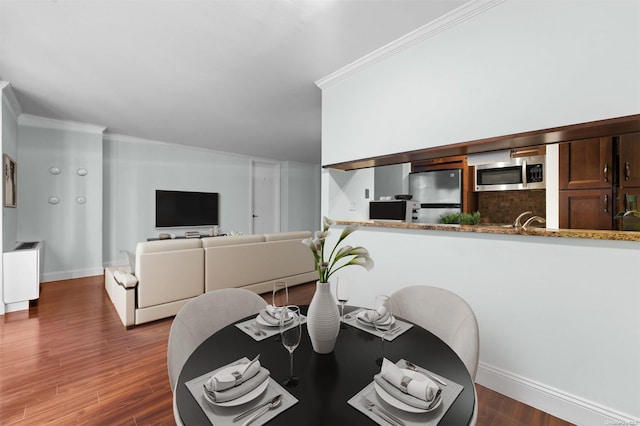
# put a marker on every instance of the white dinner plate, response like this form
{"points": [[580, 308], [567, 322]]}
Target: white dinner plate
{"points": [[247, 397], [261, 321], [387, 397]]}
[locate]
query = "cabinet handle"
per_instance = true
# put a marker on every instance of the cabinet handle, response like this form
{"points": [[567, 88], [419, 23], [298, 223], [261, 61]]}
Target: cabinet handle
{"points": [[606, 203], [627, 170], [606, 172]]}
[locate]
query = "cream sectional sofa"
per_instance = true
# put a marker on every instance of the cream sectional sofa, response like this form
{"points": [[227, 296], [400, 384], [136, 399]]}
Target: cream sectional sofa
{"points": [[169, 273]]}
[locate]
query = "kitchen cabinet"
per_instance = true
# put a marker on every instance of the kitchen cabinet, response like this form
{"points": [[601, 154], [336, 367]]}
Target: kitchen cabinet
{"points": [[586, 164], [586, 209], [595, 176], [628, 150]]}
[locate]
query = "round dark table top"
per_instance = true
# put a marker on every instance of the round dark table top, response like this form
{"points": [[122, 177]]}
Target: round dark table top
{"points": [[328, 381]]}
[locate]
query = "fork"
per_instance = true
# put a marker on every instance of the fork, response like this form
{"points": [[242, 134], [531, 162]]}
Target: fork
{"points": [[261, 331], [387, 416]]}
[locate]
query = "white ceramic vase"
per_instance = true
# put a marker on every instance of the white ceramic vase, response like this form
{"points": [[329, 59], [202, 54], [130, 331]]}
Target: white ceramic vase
{"points": [[323, 319]]}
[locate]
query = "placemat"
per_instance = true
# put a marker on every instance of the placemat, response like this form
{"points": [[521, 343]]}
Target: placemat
{"points": [[399, 327], [224, 415], [449, 394], [261, 332]]}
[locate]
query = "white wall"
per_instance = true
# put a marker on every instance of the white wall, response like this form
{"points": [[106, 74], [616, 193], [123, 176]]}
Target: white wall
{"points": [[134, 168], [554, 311], [520, 66], [8, 144], [119, 212], [391, 180], [9, 147], [72, 232], [345, 191], [300, 196], [559, 319]]}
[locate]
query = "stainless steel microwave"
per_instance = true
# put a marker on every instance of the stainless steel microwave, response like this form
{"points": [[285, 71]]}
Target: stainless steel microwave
{"points": [[400, 210], [517, 174]]}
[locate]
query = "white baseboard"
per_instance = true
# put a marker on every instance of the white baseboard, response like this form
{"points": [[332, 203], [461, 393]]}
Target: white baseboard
{"points": [[550, 400], [67, 275], [17, 306]]}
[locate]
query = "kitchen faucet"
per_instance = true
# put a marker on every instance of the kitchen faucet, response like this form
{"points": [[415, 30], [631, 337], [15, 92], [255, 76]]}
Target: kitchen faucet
{"points": [[516, 223], [533, 219]]}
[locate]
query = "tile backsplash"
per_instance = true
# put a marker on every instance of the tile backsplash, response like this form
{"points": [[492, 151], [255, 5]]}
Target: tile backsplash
{"points": [[504, 206]]}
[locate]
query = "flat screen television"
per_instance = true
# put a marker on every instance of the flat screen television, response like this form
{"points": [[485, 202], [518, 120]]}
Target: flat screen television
{"points": [[185, 208]]}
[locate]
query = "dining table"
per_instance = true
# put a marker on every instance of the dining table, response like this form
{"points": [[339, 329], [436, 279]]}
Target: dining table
{"points": [[326, 381]]}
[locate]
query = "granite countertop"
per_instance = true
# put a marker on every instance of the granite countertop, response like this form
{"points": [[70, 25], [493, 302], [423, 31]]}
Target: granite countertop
{"points": [[504, 230]]}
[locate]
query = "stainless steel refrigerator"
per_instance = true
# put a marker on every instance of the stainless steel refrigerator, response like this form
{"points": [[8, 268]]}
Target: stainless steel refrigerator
{"points": [[439, 192]]}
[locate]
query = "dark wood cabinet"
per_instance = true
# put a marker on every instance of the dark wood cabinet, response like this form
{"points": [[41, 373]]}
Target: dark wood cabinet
{"points": [[628, 147], [595, 175], [586, 209], [586, 164]]}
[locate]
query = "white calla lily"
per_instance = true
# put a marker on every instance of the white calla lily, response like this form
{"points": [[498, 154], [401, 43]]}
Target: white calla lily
{"points": [[338, 257]]}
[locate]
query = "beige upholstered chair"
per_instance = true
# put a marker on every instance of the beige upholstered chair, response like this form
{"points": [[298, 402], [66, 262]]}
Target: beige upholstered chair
{"points": [[202, 317], [446, 315]]}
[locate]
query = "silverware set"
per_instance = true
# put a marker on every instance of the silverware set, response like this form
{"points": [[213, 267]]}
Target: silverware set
{"points": [[268, 405], [387, 416]]}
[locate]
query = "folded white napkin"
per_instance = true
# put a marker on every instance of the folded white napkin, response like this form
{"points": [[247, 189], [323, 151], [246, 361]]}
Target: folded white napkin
{"points": [[382, 317], [225, 380], [422, 392], [226, 387], [271, 315]]}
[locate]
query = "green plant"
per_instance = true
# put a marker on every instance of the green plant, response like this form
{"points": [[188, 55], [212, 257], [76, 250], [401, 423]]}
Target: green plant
{"points": [[461, 218], [450, 218], [470, 218], [337, 260]]}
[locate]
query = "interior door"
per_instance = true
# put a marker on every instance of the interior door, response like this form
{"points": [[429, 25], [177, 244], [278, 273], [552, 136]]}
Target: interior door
{"points": [[266, 197]]}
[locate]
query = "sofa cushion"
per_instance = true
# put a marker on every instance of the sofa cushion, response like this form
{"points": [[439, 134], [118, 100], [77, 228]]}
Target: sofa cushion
{"points": [[168, 271], [160, 246], [246, 264], [231, 240]]}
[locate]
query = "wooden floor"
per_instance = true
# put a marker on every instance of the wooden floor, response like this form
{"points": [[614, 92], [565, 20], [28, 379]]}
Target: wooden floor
{"points": [[69, 360]]}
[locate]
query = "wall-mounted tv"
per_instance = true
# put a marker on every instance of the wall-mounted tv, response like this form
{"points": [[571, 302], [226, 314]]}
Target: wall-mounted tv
{"points": [[185, 208]]}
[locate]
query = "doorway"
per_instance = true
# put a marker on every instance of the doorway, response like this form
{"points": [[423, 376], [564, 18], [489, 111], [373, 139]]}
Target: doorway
{"points": [[266, 197]]}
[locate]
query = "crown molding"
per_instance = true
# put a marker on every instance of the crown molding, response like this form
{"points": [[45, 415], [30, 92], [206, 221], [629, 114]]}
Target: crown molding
{"points": [[7, 90], [443, 23], [50, 123]]}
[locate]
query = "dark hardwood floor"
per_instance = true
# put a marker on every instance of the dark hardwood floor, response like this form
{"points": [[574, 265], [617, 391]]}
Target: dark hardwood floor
{"points": [[69, 360]]}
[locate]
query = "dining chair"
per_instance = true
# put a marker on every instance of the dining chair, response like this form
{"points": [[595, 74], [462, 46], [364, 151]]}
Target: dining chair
{"points": [[446, 315], [200, 318]]}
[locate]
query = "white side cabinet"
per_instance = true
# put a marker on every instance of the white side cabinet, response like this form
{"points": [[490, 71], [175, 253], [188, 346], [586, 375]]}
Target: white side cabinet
{"points": [[22, 272]]}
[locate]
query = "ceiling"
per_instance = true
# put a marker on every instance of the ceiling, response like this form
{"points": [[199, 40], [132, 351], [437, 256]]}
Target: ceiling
{"points": [[235, 76]]}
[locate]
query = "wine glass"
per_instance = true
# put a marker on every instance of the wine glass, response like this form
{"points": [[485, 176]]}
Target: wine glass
{"points": [[290, 332], [280, 295], [382, 320], [342, 293], [279, 298]]}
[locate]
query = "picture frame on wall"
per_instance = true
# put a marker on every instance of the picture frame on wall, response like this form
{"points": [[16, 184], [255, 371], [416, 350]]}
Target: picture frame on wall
{"points": [[10, 181]]}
